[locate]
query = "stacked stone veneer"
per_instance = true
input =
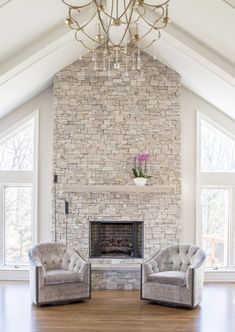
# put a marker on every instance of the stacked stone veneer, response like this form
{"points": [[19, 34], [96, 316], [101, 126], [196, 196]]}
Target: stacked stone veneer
{"points": [[100, 123]]}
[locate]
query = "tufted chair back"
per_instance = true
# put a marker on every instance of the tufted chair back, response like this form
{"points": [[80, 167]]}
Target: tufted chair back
{"points": [[176, 258], [49, 254], [55, 256]]}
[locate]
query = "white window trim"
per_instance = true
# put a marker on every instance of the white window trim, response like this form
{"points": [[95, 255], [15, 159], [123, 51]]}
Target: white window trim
{"points": [[215, 180], [11, 178]]}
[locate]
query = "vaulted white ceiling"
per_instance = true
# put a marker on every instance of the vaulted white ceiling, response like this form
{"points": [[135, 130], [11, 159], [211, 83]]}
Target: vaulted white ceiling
{"points": [[35, 43]]}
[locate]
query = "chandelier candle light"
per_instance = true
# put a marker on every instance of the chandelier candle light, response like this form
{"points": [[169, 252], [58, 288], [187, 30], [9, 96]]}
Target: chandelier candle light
{"points": [[140, 169], [122, 29]]}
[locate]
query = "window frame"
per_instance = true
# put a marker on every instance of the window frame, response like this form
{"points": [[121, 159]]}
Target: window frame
{"points": [[20, 178], [212, 180]]}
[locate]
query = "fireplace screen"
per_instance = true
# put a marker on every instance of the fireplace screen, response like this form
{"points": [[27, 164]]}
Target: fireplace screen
{"points": [[116, 239]]}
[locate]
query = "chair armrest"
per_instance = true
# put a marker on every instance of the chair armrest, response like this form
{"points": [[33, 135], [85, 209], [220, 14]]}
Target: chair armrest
{"points": [[193, 270], [193, 276], [37, 270], [198, 259], [194, 282], [189, 276], [36, 277], [147, 269], [196, 262], [34, 262], [86, 272]]}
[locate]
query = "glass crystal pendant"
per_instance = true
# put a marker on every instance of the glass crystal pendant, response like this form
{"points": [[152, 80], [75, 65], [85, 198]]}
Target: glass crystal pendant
{"points": [[116, 65]]}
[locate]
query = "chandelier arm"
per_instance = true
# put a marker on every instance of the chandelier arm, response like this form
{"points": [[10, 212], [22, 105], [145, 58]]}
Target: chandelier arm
{"points": [[83, 26], [143, 9], [83, 44], [135, 21], [157, 6], [109, 24], [128, 24], [102, 24], [152, 27], [146, 33], [89, 37], [111, 16], [116, 8], [77, 7], [72, 21], [157, 19], [155, 22], [150, 44], [126, 8], [73, 28], [126, 19]]}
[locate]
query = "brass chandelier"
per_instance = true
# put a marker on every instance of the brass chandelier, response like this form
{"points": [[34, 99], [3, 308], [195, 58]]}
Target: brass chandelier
{"points": [[119, 36]]}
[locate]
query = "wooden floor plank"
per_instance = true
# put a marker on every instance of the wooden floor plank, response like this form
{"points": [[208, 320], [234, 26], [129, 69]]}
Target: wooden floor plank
{"points": [[117, 311]]}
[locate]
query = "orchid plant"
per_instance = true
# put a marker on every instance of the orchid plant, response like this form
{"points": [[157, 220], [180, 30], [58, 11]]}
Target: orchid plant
{"points": [[140, 166]]}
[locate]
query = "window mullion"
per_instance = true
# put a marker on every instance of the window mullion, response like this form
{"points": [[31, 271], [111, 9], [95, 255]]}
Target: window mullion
{"points": [[15, 177], [231, 228], [1, 226]]}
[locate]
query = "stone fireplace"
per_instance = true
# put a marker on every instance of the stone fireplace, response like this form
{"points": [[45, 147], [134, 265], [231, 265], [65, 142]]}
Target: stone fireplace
{"points": [[100, 123], [121, 239]]}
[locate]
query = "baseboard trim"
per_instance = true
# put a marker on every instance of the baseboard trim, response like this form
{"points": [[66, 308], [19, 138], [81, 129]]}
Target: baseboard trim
{"points": [[14, 274], [219, 276]]}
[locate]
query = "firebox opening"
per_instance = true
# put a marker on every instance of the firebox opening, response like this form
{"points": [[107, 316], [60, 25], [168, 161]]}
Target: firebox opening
{"points": [[116, 239]]}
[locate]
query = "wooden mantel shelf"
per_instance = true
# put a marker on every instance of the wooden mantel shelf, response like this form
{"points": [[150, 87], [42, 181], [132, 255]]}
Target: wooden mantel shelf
{"points": [[79, 188]]}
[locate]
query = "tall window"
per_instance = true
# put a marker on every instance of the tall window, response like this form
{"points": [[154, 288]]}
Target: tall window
{"points": [[216, 188], [18, 185]]}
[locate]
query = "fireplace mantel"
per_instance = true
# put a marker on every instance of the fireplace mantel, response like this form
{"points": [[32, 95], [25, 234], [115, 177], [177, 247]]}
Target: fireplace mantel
{"points": [[80, 188]]}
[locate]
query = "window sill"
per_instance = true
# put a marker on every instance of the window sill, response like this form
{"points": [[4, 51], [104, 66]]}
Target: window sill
{"points": [[221, 275], [12, 268], [11, 273], [220, 270]]}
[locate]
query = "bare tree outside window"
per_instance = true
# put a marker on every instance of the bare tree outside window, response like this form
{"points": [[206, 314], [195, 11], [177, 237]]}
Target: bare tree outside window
{"points": [[214, 204], [217, 150], [17, 150], [18, 224]]}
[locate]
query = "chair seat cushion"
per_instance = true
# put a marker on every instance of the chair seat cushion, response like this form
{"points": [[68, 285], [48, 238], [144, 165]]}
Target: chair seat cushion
{"points": [[54, 277], [176, 278]]}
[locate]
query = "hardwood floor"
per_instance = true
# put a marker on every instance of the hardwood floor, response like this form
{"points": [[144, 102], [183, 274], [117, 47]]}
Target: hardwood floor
{"points": [[116, 311]]}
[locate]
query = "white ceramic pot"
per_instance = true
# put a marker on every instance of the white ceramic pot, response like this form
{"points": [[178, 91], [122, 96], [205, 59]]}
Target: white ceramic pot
{"points": [[140, 181]]}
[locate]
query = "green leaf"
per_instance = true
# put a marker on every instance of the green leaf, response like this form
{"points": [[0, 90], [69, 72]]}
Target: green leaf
{"points": [[135, 172]]}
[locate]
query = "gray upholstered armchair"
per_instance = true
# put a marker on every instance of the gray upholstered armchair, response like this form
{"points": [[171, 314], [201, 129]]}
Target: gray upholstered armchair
{"points": [[174, 276], [57, 274]]}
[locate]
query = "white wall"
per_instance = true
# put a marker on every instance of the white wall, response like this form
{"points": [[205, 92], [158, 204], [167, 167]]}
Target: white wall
{"points": [[43, 103], [190, 103]]}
